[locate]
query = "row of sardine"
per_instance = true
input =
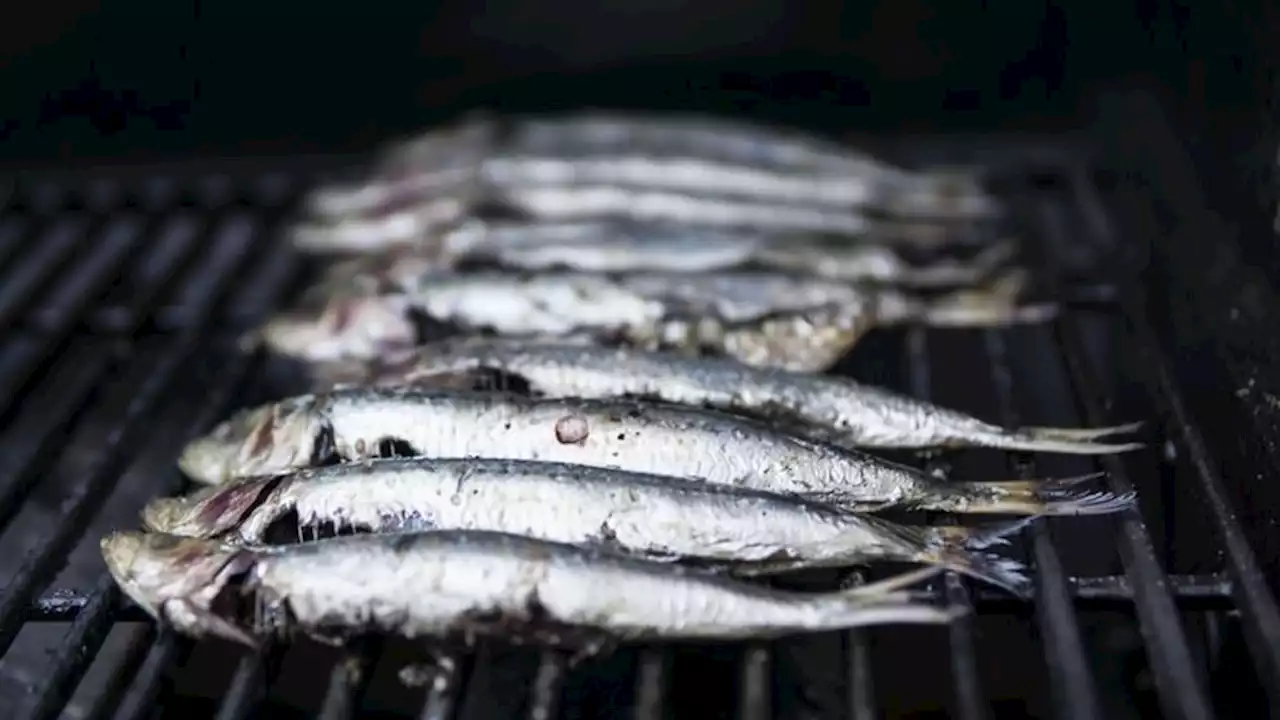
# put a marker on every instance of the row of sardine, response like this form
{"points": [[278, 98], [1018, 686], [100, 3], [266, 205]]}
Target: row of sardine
{"points": [[691, 171], [600, 422]]}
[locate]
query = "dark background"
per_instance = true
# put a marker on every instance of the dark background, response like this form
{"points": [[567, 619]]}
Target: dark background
{"points": [[81, 81], [86, 84]]}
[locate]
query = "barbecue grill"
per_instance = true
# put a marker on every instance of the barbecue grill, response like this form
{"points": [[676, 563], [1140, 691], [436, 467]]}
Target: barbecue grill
{"points": [[123, 290]]}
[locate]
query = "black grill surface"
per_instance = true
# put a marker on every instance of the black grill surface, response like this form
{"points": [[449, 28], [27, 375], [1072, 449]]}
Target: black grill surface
{"points": [[122, 293]]}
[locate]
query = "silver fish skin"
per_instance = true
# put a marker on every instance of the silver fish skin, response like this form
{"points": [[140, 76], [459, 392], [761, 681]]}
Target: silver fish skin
{"points": [[449, 584], [759, 318], [361, 423], [646, 515], [834, 409], [562, 202], [603, 246], [683, 174], [933, 191]]}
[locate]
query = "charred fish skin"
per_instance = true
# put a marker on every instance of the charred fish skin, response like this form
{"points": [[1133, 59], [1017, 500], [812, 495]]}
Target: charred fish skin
{"points": [[358, 423], [448, 583], [834, 409], [646, 515]]}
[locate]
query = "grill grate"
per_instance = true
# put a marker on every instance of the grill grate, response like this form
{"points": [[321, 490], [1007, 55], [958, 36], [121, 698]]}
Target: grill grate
{"points": [[124, 294]]}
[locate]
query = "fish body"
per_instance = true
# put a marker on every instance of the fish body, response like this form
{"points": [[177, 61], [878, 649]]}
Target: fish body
{"points": [[444, 584], [835, 409], [611, 247], [939, 192], [647, 515], [359, 423], [759, 318]]}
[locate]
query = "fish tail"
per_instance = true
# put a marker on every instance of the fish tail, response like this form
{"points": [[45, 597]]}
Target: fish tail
{"points": [[1057, 440], [993, 305], [958, 548], [1061, 496], [1082, 434]]}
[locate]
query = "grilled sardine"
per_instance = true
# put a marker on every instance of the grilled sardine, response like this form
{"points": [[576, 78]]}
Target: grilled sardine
{"points": [[361, 423], [647, 515], [824, 407], [763, 319], [450, 584]]}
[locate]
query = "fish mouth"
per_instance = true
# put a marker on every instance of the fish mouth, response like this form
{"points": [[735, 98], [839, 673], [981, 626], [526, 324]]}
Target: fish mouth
{"points": [[188, 583], [266, 440]]}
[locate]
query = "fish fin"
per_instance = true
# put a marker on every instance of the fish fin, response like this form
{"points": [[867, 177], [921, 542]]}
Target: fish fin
{"points": [[890, 588], [956, 548], [1082, 434], [994, 304], [1060, 496], [189, 617]]}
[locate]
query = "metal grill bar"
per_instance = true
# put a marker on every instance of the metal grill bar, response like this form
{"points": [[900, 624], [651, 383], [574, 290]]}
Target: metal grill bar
{"points": [[650, 678], [151, 676], [1073, 692], [755, 701], [1257, 606], [92, 624], [1180, 688], [348, 680], [548, 685], [248, 685], [964, 664], [445, 687]]}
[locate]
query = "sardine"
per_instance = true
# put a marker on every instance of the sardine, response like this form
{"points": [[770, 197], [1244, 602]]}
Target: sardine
{"points": [[448, 584], [559, 202], [683, 174], [610, 247], [657, 517], [361, 423], [825, 407], [714, 137], [763, 319]]}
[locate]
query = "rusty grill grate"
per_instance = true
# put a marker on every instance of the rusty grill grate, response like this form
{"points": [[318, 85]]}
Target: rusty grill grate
{"points": [[121, 293]]}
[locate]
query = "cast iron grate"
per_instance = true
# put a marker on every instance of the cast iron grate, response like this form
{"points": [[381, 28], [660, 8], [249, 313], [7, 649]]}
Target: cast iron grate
{"points": [[122, 294]]}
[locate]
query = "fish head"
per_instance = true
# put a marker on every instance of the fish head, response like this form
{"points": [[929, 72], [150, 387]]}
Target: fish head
{"points": [[210, 511], [180, 581], [349, 325], [265, 440]]}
